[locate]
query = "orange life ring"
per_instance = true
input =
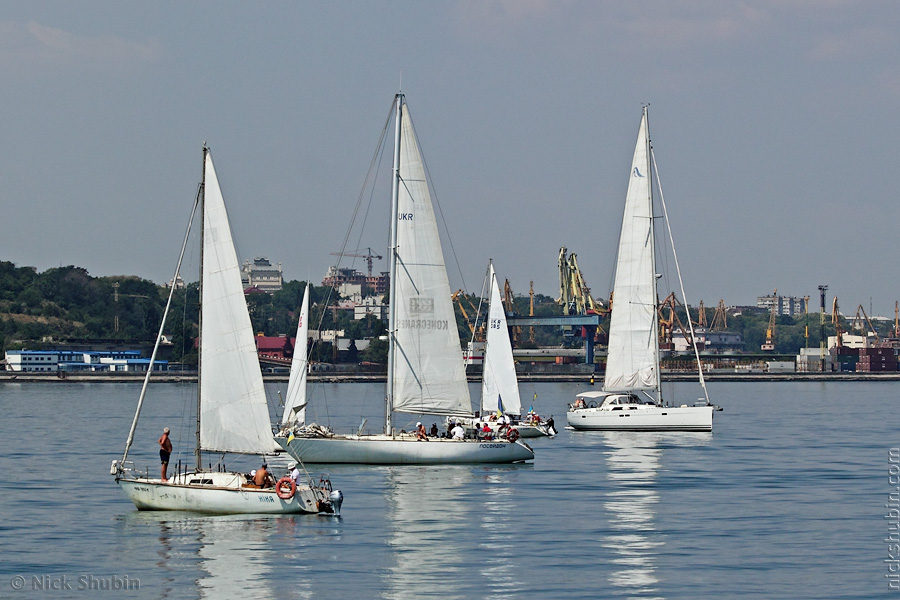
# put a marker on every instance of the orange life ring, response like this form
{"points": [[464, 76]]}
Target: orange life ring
{"points": [[512, 435], [285, 488]]}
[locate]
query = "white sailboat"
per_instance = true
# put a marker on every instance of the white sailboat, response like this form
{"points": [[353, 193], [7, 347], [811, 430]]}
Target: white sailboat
{"points": [[631, 395], [501, 405], [295, 402], [232, 414], [426, 375]]}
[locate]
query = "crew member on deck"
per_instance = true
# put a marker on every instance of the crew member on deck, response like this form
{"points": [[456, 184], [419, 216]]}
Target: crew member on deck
{"points": [[165, 451]]}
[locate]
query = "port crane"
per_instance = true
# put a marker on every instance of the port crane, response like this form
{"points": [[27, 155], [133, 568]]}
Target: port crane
{"points": [[510, 308], [770, 330], [574, 293], [836, 321], [720, 319], [667, 323], [858, 322], [477, 332]]}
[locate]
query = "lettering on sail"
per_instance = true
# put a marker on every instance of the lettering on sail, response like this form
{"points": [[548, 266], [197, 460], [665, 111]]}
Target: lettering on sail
{"points": [[423, 307]]}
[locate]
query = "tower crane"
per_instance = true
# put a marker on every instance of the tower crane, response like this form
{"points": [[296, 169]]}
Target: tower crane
{"points": [[368, 256], [116, 295], [770, 330]]}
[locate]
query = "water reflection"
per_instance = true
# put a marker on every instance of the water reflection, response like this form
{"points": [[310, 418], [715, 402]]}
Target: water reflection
{"points": [[221, 556], [632, 464], [426, 517], [499, 514]]}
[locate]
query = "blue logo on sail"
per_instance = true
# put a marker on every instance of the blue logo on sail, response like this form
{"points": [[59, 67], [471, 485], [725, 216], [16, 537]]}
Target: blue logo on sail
{"points": [[636, 173]]}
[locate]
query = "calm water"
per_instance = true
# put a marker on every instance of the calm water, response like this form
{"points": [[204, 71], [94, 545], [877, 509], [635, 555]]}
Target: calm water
{"points": [[786, 499]]}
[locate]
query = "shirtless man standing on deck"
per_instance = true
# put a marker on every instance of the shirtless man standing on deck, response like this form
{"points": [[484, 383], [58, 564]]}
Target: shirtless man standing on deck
{"points": [[165, 450]]}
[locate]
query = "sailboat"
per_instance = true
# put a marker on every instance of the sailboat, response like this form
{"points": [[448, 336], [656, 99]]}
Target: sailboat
{"points": [[232, 414], [426, 374], [501, 405], [631, 396], [295, 402]]}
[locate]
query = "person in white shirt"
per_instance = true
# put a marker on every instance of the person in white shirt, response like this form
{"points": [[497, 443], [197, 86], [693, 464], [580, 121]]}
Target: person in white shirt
{"points": [[294, 472], [458, 433]]}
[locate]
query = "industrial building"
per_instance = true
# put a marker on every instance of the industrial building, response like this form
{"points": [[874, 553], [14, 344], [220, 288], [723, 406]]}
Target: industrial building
{"points": [[74, 361]]}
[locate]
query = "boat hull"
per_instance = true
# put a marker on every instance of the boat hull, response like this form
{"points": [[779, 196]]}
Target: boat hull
{"points": [[386, 450], [215, 498], [657, 418]]}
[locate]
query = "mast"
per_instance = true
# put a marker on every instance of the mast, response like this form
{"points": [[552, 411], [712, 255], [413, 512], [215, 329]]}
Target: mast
{"points": [[392, 294], [197, 451], [652, 238]]}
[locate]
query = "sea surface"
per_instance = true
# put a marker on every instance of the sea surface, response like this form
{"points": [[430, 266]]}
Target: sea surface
{"points": [[789, 497]]}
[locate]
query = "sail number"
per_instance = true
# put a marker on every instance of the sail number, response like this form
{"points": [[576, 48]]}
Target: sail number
{"points": [[495, 323]]}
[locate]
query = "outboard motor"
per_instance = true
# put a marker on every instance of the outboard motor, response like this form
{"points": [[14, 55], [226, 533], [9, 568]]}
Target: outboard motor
{"points": [[337, 498]]}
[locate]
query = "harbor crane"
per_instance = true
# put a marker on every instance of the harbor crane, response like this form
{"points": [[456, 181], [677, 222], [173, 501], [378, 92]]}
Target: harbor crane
{"points": [[720, 319], [770, 330], [858, 322], [368, 256], [574, 294], [836, 321]]}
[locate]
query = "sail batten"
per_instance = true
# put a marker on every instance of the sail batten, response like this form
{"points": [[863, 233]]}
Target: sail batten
{"points": [[632, 359], [234, 416], [428, 371]]}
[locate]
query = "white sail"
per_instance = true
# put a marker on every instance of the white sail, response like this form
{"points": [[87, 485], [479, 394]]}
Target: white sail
{"points": [[633, 344], [429, 374], [234, 416], [499, 385], [295, 402]]}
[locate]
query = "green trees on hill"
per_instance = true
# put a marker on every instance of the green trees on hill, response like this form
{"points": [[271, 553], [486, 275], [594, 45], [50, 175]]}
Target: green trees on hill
{"points": [[66, 302]]}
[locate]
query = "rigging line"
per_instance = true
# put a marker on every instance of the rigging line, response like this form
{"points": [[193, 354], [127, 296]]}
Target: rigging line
{"points": [[137, 412], [678, 270], [368, 183]]}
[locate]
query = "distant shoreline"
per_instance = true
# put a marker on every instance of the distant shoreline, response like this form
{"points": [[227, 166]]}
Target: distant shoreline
{"points": [[12, 377]]}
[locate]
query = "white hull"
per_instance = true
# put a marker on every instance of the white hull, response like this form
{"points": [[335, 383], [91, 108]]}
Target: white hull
{"points": [[656, 418], [223, 496], [386, 450]]}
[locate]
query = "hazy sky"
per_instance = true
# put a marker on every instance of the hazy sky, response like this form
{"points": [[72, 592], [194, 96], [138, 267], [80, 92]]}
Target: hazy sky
{"points": [[774, 124]]}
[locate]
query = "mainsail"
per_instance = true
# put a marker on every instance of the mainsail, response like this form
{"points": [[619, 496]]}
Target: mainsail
{"points": [[234, 416], [429, 375], [295, 402], [633, 343], [499, 383]]}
